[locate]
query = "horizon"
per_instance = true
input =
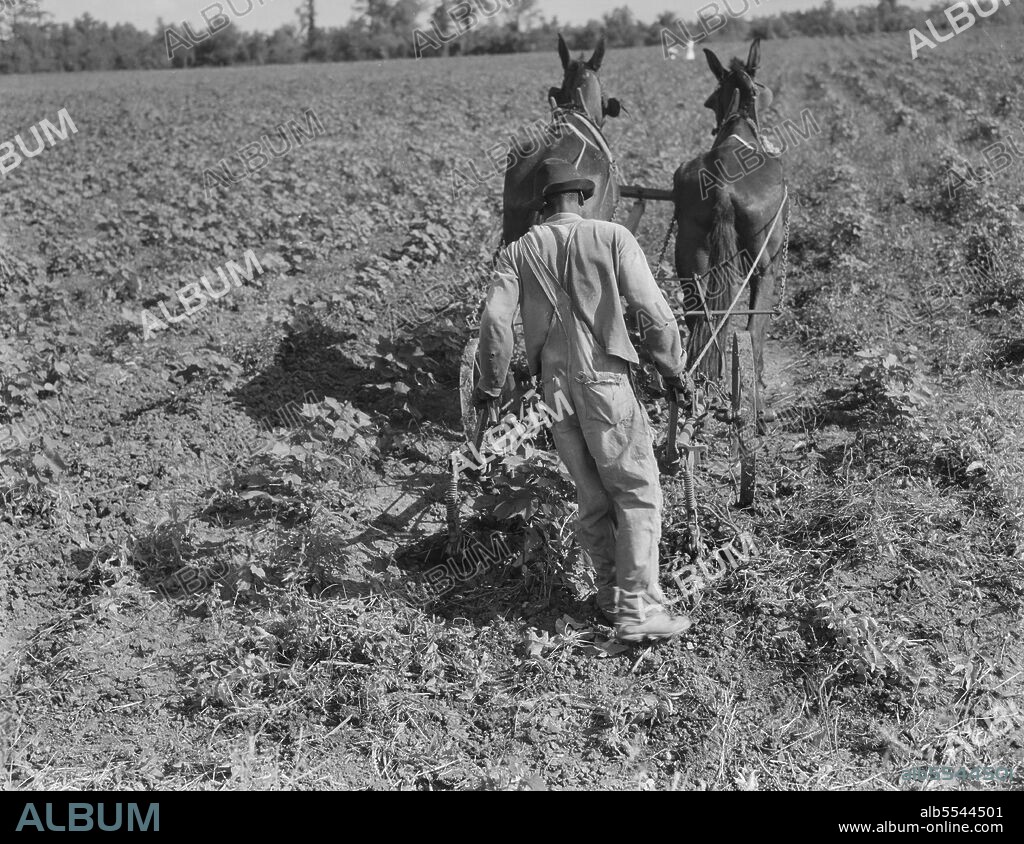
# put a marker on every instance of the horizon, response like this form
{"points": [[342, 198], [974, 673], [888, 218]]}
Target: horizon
{"points": [[268, 15]]}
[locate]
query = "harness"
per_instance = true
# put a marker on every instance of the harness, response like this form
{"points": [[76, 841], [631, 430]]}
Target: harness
{"points": [[561, 115], [766, 146], [589, 134]]}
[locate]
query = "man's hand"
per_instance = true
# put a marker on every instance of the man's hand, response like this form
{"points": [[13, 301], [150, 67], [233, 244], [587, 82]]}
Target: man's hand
{"points": [[680, 384]]}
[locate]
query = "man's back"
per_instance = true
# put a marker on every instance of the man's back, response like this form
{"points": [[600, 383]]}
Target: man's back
{"points": [[598, 264], [584, 257]]}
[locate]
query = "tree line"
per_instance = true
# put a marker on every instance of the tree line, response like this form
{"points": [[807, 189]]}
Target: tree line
{"points": [[30, 41]]}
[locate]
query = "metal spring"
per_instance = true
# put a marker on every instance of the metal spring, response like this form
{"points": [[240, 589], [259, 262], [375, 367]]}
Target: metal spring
{"points": [[691, 499], [689, 496], [451, 500]]}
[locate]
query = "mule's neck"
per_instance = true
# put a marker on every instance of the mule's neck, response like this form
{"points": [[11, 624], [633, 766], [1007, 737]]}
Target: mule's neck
{"points": [[578, 107], [741, 126], [560, 114]]}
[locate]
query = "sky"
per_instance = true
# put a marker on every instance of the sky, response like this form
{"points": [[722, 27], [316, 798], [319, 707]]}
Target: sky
{"points": [[267, 15]]}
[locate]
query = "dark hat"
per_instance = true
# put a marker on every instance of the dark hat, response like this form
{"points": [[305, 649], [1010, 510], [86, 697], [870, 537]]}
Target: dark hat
{"points": [[555, 175]]}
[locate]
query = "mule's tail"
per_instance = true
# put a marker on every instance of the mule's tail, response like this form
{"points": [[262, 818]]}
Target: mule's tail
{"points": [[719, 287]]}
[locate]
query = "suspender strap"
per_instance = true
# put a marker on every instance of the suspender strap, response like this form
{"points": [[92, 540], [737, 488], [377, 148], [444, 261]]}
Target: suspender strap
{"points": [[562, 301], [550, 288], [548, 283]]}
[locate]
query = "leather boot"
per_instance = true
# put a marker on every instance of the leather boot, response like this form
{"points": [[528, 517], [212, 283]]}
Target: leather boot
{"points": [[604, 580], [604, 600], [639, 619]]}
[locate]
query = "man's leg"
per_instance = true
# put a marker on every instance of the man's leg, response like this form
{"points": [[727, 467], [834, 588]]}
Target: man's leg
{"points": [[619, 437], [596, 517]]}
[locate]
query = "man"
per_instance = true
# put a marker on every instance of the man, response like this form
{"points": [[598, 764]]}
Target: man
{"points": [[566, 275]]}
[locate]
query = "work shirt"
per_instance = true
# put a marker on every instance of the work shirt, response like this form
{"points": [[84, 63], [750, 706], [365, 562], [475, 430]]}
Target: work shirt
{"points": [[604, 263]]}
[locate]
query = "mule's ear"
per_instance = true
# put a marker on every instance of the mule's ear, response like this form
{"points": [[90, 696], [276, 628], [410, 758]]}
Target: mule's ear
{"points": [[595, 60], [754, 57], [563, 51], [714, 64]]}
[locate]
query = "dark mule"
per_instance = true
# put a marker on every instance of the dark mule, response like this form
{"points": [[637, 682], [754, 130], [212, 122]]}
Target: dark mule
{"points": [[574, 134], [727, 201]]}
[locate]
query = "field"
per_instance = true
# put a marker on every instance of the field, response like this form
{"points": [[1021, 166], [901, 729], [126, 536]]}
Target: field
{"points": [[212, 535]]}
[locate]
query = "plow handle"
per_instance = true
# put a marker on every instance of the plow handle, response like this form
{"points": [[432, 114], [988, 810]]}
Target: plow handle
{"points": [[671, 452], [487, 418]]}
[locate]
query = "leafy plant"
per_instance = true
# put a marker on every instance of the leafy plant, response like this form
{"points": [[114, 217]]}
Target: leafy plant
{"points": [[343, 424], [303, 471], [27, 473], [28, 376], [868, 649], [892, 387], [530, 492], [407, 368]]}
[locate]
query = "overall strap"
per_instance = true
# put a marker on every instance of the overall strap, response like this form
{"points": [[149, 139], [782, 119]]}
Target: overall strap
{"points": [[548, 283], [563, 301]]}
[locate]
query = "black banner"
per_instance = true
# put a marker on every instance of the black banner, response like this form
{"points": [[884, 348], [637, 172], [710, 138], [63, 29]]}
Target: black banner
{"points": [[720, 812]]}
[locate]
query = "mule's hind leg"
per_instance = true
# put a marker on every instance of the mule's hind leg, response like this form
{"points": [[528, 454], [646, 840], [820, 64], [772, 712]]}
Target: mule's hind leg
{"points": [[691, 265]]}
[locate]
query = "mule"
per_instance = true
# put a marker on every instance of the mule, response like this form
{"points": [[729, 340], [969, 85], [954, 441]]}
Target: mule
{"points": [[574, 134], [727, 202]]}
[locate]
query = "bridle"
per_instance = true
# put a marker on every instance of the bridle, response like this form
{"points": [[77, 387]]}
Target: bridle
{"points": [[573, 102], [731, 115], [720, 131]]}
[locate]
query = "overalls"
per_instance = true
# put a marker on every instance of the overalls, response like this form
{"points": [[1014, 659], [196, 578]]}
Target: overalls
{"points": [[607, 445]]}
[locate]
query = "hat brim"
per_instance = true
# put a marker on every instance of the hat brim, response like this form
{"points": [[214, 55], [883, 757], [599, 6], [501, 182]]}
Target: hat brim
{"points": [[571, 186], [584, 186]]}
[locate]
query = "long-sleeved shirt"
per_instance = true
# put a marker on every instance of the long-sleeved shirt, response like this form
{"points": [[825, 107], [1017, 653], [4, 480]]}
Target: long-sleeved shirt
{"points": [[606, 262]]}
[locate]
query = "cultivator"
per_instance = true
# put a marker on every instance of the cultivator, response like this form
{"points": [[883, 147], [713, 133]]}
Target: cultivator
{"points": [[741, 406]]}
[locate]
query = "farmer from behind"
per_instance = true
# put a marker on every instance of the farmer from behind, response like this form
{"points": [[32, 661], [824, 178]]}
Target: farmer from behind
{"points": [[566, 275]]}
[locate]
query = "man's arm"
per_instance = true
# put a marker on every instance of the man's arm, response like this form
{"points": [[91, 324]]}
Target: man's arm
{"points": [[658, 329], [496, 338]]}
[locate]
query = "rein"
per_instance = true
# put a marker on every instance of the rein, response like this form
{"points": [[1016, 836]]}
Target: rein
{"points": [[561, 114]]}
